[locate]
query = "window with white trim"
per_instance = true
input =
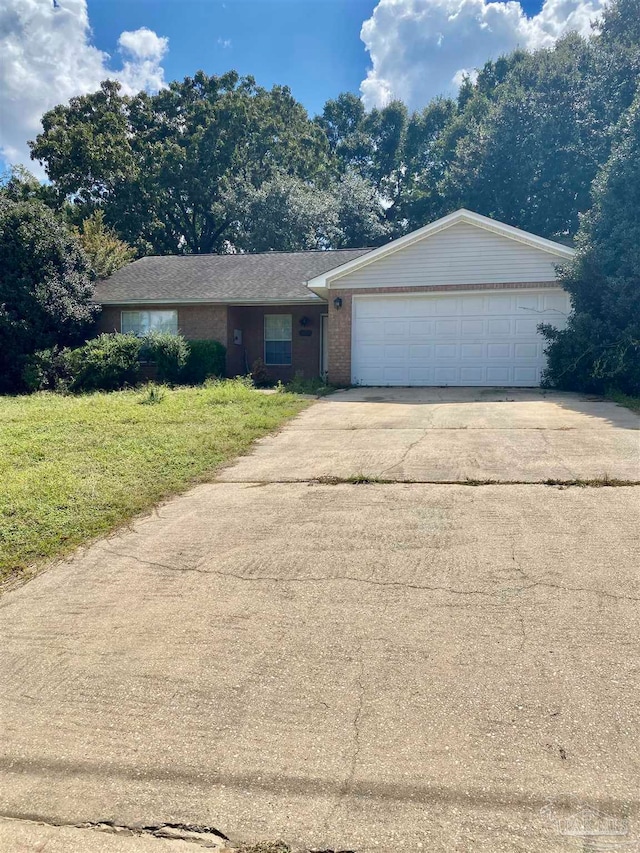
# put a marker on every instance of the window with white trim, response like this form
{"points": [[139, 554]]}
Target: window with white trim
{"points": [[142, 322], [277, 338]]}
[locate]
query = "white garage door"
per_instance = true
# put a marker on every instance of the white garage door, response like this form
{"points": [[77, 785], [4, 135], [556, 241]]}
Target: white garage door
{"points": [[445, 339]]}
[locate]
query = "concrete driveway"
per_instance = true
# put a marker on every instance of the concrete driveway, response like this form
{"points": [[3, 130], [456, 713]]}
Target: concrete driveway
{"points": [[391, 666], [431, 435]]}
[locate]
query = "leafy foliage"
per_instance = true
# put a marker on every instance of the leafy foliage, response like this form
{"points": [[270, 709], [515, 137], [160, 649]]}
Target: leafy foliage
{"points": [[172, 169], [106, 363], [106, 252], [168, 352], [600, 347], [205, 359], [45, 288]]}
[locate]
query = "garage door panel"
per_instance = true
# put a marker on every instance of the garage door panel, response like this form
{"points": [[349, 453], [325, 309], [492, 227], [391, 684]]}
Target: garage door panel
{"points": [[472, 351], [473, 328], [472, 375], [396, 328], [394, 352], [445, 351], [421, 352], [447, 328], [468, 339], [498, 327], [526, 350], [421, 328]]}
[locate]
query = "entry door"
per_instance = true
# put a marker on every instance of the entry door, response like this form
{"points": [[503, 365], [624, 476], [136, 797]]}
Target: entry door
{"points": [[488, 338], [324, 345]]}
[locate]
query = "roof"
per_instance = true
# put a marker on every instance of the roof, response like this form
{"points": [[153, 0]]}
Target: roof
{"points": [[264, 277], [323, 280]]}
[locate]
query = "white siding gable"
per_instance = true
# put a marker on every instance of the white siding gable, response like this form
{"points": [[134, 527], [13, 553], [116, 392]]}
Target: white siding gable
{"points": [[459, 254]]}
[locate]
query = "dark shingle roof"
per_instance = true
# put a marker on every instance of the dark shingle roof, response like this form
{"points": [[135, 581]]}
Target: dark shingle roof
{"points": [[223, 278]]}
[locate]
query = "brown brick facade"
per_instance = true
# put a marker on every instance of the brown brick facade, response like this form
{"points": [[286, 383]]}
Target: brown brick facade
{"points": [[195, 322], [305, 348], [340, 319]]}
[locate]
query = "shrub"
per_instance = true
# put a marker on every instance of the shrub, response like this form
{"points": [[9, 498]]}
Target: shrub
{"points": [[105, 363], [47, 370], [206, 359], [168, 352], [45, 290]]}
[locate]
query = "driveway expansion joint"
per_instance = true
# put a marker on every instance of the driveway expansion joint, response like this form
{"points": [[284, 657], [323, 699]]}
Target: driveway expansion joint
{"points": [[378, 480]]}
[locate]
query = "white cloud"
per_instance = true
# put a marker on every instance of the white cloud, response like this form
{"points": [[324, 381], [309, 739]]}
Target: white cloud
{"points": [[47, 57], [422, 48]]}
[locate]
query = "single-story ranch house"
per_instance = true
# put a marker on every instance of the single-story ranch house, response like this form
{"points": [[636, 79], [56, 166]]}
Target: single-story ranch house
{"points": [[457, 302]]}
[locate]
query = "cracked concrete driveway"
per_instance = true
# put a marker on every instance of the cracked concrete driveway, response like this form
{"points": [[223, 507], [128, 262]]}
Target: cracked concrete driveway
{"points": [[391, 666]]}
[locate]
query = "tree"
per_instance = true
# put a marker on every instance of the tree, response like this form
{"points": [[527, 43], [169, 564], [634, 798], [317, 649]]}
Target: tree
{"points": [[532, 153], [171, 169], [287, 214], [600, 347], [102, 246], [45, 289]]}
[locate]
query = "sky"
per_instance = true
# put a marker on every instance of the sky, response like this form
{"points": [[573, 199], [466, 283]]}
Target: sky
{"points": [[51, 50]]}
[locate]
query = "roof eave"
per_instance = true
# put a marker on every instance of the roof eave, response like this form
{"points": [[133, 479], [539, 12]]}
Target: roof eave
{"points": [[284, 300]]}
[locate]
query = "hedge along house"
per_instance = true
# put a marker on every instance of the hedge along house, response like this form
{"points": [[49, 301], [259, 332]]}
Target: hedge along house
{"points": [[457, 302]]}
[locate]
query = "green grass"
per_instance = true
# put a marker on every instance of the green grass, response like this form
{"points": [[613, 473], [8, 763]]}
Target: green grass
{"points": [[621, 399], [72, 468]]}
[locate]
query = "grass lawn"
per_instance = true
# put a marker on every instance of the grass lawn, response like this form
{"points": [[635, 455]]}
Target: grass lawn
{"points": [[632, 403], [75, 467]]}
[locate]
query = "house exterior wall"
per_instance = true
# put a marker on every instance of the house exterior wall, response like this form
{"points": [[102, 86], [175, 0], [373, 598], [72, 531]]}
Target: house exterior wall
{"points": [[340, 319], [196, 322], [460, 254], [305, 349]]}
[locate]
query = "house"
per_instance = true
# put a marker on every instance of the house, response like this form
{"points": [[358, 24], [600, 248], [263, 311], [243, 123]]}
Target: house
{"points": [[456, 302]]}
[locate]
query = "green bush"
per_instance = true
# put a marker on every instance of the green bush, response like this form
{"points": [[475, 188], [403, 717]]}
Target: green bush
{"points": [[105, 363], [47, 370], [168, 352], [205, 359]]}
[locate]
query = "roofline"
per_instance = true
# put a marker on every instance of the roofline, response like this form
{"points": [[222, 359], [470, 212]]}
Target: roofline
{"points": [[299, 300], [323, 281]]}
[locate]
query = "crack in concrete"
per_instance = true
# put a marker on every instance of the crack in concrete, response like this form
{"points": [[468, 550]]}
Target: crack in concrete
{"points": [[399, 584], [204, 836], [347, 784], [405, 454]]}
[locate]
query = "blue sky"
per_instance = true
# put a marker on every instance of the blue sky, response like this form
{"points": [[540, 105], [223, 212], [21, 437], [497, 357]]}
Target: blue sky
{"points": [[413, 50], [313, 46]]}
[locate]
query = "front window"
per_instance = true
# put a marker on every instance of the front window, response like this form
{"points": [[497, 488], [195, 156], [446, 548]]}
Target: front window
{"points": [[277, 338], [142, 322]]}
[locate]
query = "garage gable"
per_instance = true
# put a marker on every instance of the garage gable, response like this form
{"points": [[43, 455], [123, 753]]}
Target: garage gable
{"points": [[462, 248]]}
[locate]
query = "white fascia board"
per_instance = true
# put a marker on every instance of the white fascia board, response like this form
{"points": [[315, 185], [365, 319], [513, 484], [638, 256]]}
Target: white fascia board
{"points": [[323, 282]]}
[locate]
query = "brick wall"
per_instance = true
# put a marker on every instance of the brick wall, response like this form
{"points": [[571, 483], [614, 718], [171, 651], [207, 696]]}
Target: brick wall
{"points": [[340, 319], [195, 322], [305, 349]]}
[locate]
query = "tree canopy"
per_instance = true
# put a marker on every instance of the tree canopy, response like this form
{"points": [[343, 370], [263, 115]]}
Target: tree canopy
{"points": [[600, 348], [45, 287]]}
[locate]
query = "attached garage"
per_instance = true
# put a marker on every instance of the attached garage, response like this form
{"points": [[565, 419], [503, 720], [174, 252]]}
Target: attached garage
{"points": [[453, 339], [457, 302]]}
